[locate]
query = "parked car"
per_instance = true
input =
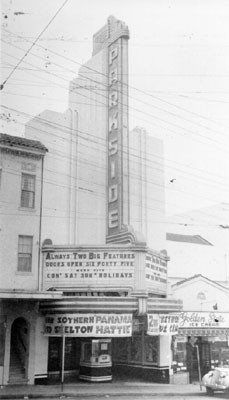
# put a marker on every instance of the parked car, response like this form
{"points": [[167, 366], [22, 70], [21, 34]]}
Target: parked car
{"points": [[217, 380]]}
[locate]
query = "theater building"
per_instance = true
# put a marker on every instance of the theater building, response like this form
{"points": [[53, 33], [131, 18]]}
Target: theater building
{"points": [[97, 302]]}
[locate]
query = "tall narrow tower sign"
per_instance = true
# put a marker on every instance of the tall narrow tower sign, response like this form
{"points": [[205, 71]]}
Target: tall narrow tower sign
{"points": [[117, 129]]}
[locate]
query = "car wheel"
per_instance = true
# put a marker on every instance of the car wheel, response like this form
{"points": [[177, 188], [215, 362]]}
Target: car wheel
{"points": [[210, 392]]}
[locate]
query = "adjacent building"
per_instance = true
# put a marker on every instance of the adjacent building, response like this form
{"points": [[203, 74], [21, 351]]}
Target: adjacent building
{"points": [[21, 169], [198, 275], [203, 340]]}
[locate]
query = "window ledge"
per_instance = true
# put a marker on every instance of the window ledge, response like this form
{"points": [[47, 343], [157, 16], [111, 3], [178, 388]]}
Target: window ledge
{"points": [[30, 273], [32, 210]]}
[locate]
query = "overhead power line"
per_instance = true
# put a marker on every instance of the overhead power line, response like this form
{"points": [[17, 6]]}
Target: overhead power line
{"points": [[33, 44], [94, 71], [74, 90]]}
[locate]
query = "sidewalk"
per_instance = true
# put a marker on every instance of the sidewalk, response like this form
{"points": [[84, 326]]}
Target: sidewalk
{"points": [[84, 390]]}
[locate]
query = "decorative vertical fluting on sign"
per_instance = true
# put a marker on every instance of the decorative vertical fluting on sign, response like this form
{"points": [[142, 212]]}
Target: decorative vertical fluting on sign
{"points": [[118, 130]]}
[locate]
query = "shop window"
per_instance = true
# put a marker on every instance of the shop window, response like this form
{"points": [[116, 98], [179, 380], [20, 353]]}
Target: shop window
{"points": [[201, 296], [54, 357], [72, 354], [151, 349], [25, 246], [120, 349], [219, 354], [27, 191], [179, 351], [136, 349]]}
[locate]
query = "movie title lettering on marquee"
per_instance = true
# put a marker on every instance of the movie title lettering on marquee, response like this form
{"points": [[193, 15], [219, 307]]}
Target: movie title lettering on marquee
{"points": [[162, 324], [94, 268], [156, 272], [88, 325]]}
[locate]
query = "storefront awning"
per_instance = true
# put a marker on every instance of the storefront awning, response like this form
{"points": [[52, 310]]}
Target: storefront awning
{"points": [[29, 295], [203, 332], [164, 305], [88, 304]]}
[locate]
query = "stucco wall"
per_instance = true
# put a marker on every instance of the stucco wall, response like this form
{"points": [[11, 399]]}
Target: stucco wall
{"points": [[41, 350], [17, 221], [202, 295]]}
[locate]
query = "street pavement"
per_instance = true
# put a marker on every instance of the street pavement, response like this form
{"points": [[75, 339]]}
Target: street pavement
{"points": [[137, 397], [136, 390], [202, 396]]}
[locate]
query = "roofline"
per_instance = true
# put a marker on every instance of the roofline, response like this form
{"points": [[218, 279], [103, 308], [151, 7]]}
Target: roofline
{"points": [[22, 149], [177, 284], [204, 242]]}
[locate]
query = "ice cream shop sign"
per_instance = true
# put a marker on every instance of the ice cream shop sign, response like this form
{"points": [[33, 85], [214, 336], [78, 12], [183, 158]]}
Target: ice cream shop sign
{"points": [[195, 319]]}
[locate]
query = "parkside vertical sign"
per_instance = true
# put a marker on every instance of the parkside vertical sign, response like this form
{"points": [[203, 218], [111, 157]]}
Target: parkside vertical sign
{"points": [[117, 135]]}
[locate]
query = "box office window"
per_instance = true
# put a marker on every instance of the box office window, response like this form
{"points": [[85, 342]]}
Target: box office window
{"points": [[25, 248], [86, 351], [27, 191]]}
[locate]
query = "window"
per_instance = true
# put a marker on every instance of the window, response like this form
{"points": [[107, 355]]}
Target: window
{"points": [[25, 246], [151, 349], [28, 191], [201, 296]]}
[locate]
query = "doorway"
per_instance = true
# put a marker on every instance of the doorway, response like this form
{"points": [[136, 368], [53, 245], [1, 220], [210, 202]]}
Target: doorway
{"points": [[71, 359], [204, 349], [19, 351]]}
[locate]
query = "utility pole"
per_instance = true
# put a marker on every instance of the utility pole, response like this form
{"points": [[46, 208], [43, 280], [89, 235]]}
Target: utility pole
{"points": [[62, 359]]}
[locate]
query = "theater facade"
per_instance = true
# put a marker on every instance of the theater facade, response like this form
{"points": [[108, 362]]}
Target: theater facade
{"points": [[113, 318], [93, 304]]}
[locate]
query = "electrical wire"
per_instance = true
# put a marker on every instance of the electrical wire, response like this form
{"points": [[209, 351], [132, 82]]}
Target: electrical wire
{"points": [[33, 44], [136, 89]]}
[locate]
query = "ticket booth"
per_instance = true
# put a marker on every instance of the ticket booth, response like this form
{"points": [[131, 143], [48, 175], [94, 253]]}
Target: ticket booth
{"points": [[95, 360]]}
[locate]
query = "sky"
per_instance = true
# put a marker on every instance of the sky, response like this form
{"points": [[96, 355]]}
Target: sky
{"points": [[178, 79]]}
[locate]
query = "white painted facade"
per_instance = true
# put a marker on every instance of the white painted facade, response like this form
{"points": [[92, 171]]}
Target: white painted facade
{"points": [[76, 180], [16, 220], [19, 289], [201, 294], [147, 195]]}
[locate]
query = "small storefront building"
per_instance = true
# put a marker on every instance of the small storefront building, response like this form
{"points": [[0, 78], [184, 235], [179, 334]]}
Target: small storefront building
{"points": [[202, 342]]}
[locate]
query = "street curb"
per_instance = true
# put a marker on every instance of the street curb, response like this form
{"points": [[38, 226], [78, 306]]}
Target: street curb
{"points": [[87, 395]]}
